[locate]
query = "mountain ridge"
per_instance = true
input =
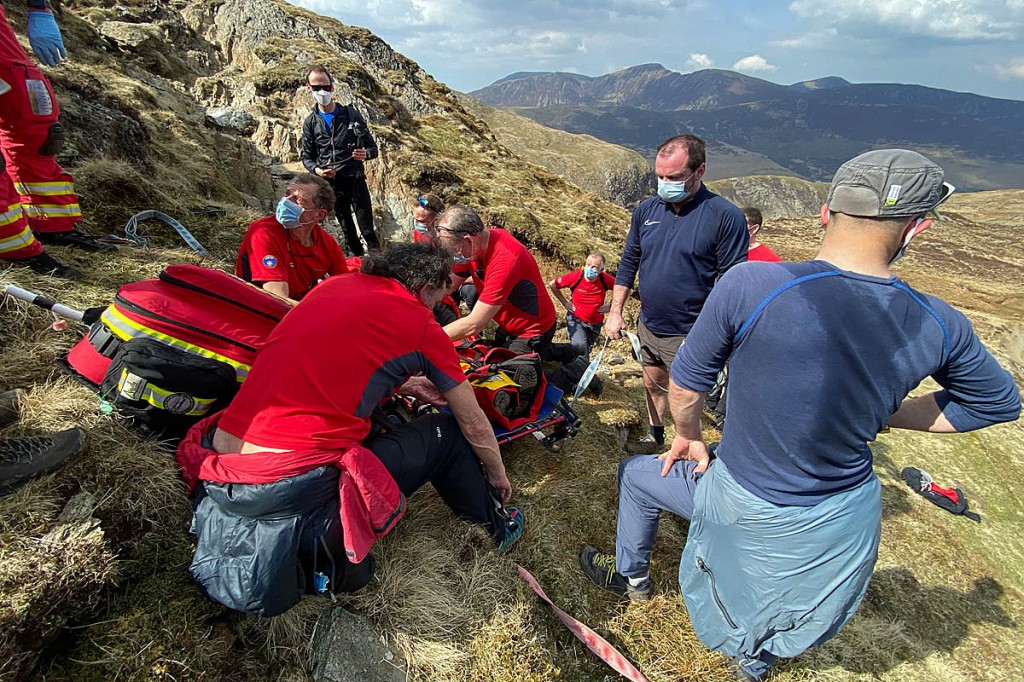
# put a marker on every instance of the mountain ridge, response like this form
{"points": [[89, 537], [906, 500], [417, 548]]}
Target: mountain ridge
{"points": [[806, 129]]}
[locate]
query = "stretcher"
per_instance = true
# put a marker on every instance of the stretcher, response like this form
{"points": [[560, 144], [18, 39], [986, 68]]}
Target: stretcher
{"points": [[555, 426]]}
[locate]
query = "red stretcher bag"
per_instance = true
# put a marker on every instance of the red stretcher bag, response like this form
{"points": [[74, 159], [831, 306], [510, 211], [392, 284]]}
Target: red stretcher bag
{"points": [[173, 349]]}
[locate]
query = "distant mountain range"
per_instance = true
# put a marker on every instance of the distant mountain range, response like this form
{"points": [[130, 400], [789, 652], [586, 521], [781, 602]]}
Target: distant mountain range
{"points": [[754, 126]]}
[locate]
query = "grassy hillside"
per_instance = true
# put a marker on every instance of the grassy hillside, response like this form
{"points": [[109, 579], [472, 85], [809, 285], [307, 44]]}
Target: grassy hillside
{"points": [[618, 174], [104, 594]]}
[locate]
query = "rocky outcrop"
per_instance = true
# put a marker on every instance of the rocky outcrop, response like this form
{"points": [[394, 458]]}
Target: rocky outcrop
{"points": [[348, 649]]}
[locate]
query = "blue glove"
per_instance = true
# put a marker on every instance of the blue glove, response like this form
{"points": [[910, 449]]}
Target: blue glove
{"points": [[45, 39]]}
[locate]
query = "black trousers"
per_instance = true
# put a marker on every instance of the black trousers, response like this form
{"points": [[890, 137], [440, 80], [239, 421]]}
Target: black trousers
{"points": [[431, 449], [351, 193]]}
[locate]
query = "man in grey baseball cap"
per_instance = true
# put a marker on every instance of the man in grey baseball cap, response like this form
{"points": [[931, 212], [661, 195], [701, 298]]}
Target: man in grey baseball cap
{"points": [[785, 521]]}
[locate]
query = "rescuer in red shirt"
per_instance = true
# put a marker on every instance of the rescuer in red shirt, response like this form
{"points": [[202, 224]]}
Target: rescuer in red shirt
{"points": [[584, 313], [349, 346], [512, 291], [757, 251], [288, 253]]}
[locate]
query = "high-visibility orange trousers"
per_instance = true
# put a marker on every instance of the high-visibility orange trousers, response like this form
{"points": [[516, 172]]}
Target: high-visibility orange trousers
{"points": [[35, 192]]}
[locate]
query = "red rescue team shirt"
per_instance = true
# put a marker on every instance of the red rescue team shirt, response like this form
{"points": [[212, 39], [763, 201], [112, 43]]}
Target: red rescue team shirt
{"points": [[508, 276], [763, 253], [269, 254], [347, 347], [588, 296]]}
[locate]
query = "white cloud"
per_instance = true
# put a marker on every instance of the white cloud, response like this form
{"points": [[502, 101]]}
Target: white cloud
{"points": [[753, 64], [1011, 70], [949, 19], [815, 39], [699, 60]]}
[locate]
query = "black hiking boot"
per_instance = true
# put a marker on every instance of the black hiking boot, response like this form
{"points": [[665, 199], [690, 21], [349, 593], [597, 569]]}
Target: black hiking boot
{"points": [[23, 459], [75, 239], [648, 445], [10, 406], [600, 569], [45, 264]]}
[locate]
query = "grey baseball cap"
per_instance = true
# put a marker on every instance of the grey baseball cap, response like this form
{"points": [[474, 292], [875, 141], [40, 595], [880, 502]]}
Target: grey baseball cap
{"points": [[888, 183]]}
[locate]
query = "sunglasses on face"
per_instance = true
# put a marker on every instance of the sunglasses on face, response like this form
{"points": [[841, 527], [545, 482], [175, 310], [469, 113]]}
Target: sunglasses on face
{"points": [[321, 88]]}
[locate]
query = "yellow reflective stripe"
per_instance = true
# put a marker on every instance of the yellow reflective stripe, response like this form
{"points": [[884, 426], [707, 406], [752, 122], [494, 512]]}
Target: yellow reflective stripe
{"points": [[45, 189], [125, 329], [18, 241], [70, 210], [12, 215], [157, 397]]}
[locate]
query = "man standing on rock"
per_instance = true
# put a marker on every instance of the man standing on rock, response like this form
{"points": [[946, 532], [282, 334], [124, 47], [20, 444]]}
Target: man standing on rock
{"points": [[680, 242], [335, 143], [785, 521]]}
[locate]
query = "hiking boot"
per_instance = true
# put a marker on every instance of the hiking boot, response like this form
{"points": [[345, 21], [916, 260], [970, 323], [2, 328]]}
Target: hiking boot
{"points": [[596, 387], [648, 445], [22, 459], [600, 569], [75, 239], [45, 264], [514, 523], [10, 406]]}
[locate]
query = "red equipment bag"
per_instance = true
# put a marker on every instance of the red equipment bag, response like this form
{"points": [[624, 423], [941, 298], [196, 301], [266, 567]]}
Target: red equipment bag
{"points": [[173, 349], [509, 387]]}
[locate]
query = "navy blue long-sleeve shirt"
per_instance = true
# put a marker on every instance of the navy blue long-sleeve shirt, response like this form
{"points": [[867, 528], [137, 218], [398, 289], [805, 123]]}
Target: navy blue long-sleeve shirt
{"points": [[819, 359], [679, 256]]}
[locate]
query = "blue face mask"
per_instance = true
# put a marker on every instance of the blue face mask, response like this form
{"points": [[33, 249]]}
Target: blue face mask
{"points": [[673, 191], [589, 272], [422, 228], [288, 213], [459, 258]]}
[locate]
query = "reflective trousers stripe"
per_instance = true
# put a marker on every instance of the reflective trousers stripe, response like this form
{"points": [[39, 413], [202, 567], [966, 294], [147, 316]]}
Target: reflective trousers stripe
{"points": [[17, 241], [45, 189], [37, 210]]}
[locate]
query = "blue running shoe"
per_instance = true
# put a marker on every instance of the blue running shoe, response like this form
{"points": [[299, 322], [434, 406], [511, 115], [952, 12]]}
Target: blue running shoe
{"points": [[514, 522]]}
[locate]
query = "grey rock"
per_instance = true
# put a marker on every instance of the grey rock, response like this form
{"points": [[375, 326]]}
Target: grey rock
{"points": [[132, 35], [348, 650], [231, 118]]}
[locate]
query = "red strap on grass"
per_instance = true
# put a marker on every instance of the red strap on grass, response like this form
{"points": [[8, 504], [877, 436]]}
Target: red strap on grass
{"points": [[595, 642]]}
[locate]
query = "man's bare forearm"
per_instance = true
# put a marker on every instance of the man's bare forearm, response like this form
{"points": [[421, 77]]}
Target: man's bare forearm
{"points": [[921, 414], [619, 296], [686, 407]]}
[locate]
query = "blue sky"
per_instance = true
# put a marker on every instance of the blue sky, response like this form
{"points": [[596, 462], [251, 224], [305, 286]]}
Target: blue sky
{"points": [[966, 45]]}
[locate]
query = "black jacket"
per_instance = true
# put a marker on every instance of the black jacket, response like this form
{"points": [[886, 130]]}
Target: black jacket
{"points": [[323, 148]]}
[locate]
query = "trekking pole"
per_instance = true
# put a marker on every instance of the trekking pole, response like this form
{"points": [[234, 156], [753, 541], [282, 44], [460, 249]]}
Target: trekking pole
{"points": [[588, 375], [43, 302]]}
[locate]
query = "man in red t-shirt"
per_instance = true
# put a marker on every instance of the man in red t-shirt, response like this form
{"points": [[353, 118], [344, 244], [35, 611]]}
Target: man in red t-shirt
{"points": [[424, 215], [757, 250], [512, 291], [288, 253], [305, 394], [584, 314]]}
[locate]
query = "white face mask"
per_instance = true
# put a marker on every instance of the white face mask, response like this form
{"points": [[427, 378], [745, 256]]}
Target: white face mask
{"points": [[322, 97]]}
